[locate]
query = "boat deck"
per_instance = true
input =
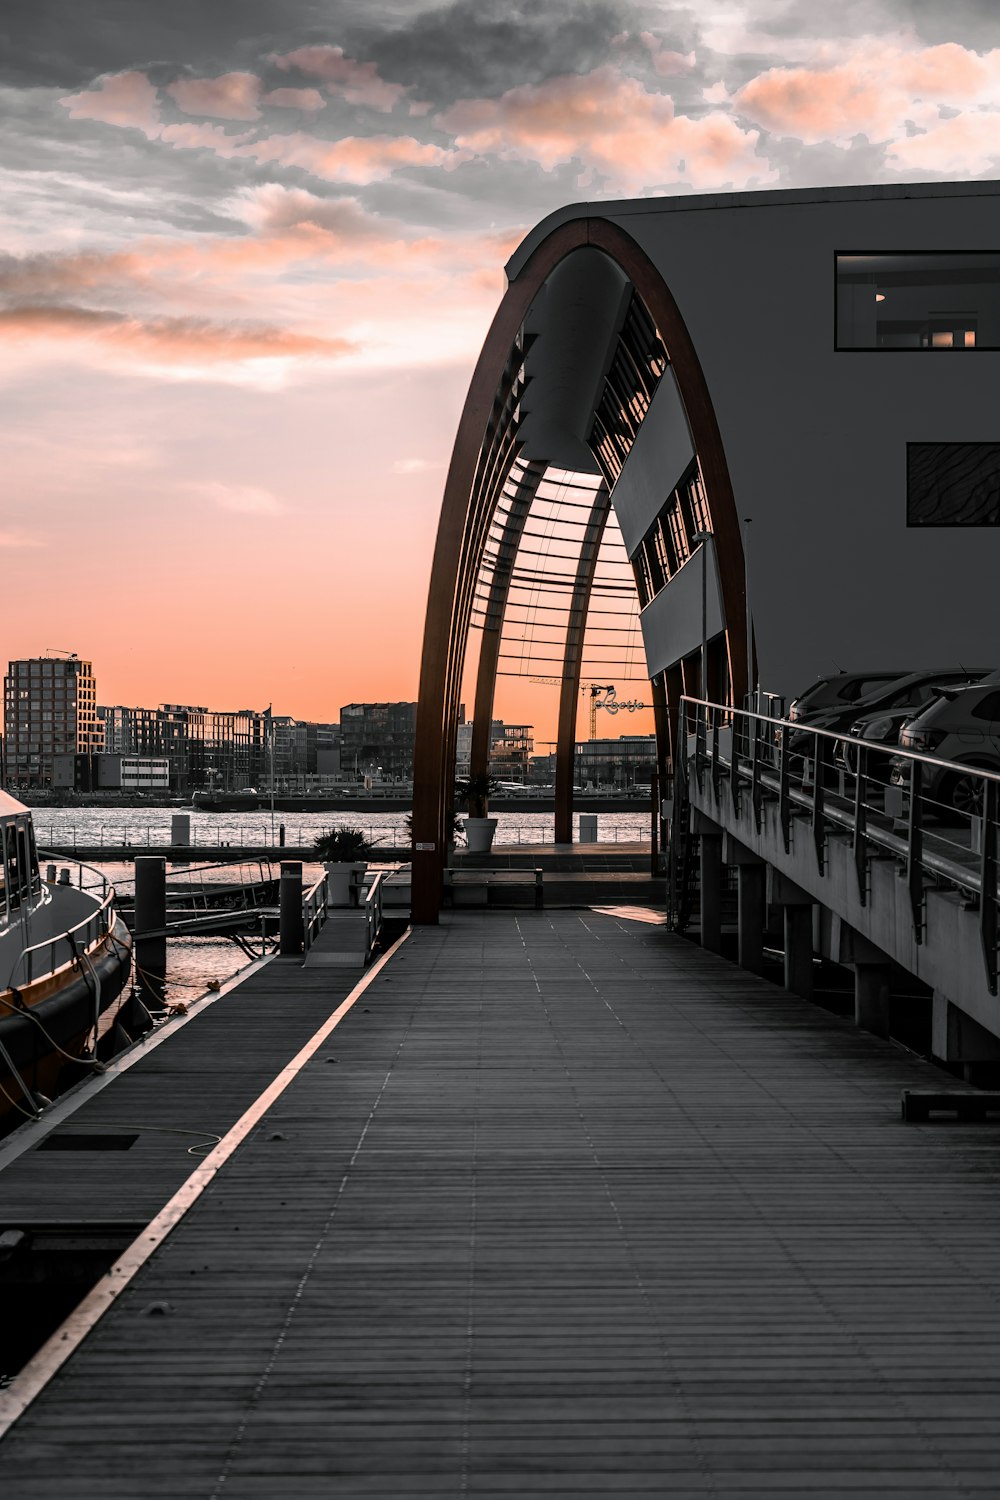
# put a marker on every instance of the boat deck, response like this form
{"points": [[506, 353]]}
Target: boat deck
{"points": [[563, 1204]]}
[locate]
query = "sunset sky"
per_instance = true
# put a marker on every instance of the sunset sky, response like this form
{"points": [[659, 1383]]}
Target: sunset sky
{"points": [[250, 252]]}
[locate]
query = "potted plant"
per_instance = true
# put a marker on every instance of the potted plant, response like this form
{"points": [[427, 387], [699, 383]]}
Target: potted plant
{"points": [[475, 791], [344, 852]]}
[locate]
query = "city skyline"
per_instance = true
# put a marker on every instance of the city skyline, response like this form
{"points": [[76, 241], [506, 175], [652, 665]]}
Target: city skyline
{"points": [[249, 261]]}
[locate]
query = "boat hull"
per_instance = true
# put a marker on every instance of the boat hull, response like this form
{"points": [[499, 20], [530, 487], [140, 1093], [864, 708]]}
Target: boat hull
{"points": [[38, 1037]]}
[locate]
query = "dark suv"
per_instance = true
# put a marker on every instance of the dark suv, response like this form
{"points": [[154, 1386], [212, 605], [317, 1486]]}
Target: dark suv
{"points": [[838, 690], [911, 692], [881, 723]]}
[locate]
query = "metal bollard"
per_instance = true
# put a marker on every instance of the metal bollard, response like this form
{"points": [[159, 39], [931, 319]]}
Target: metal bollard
{"points": [[151, 918], [291, 926]]}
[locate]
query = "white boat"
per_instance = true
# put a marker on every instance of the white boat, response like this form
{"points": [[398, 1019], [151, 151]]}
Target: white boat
{"points": [[65, 957]]}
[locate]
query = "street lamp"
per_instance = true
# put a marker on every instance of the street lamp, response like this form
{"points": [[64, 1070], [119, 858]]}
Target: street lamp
{"points": [[704, 537]]}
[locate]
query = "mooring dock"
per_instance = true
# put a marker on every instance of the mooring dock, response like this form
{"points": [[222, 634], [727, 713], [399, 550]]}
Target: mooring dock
{"points": [[563, 1204]]}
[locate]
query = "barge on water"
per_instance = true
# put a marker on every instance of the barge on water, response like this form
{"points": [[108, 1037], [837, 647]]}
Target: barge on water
{"points": [[65, 957]]}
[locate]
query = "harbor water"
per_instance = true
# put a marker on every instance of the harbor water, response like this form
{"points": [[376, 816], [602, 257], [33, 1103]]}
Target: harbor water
{"points": [[195, 963]]}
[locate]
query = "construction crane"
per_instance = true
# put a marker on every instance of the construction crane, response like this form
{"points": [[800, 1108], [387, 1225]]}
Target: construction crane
{"points": [[600, 696]]}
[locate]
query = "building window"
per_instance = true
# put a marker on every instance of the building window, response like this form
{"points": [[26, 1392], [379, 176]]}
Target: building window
{"points": [[637, 366], [953, 484], [916, 300]]}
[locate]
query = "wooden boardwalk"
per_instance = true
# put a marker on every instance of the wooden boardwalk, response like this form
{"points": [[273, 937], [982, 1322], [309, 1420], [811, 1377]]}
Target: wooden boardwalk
{"points": [[564, 1205]]}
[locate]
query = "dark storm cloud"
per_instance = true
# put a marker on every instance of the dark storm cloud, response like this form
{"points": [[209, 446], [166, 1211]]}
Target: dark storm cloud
{"points": [[66, 42], [478, 48]]}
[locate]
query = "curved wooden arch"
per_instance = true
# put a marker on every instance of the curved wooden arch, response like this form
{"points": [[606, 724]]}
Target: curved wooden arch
{"points": [[485, 447]]}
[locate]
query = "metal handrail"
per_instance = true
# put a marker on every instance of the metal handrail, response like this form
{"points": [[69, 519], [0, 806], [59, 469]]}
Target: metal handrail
{"points": [[92, 930], [905, 836], [314, 910], [798, 727]]}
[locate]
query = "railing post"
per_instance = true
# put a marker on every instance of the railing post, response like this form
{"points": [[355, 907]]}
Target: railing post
{"points": [[716, 763], [734, 766], [915, 850], [755, 787], [860, 838], [988, 883], [819, 766], [784, 802]]}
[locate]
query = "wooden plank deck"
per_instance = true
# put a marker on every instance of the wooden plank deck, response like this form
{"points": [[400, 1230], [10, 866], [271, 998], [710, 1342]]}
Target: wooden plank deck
{"points": [[564, 1205]]}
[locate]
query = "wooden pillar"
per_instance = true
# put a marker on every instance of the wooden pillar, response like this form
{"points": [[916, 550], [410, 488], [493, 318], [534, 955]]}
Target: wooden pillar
{"points": [[576, 626], [521, 495]]}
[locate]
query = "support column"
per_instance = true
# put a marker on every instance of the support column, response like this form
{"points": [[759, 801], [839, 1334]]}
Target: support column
{"points": [[751, 884], [797, 925], [871, 998], [752, 890], [711, 868], [798, 950]]}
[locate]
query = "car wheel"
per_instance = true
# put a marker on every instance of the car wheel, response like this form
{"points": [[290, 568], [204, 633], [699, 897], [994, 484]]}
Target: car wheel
{"points": [[964, 793]]}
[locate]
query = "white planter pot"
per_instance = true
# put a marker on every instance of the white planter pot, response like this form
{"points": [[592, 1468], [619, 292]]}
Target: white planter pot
{"points": [[479, 834], [339, 880]]}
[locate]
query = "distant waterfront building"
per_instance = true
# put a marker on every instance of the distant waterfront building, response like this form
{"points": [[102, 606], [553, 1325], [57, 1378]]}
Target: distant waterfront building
{"points": [[304, 754], [510, 750], [511, 747], [205, 748], [110, 773], [50, 708], [376, 739]]}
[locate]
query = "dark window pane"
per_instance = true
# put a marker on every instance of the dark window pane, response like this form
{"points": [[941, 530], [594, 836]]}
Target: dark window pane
{"points": [[989, 708], [918, 300], [953, 484]]}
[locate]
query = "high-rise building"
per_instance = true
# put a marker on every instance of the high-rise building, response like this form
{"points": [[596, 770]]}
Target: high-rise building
{"points": [[50, 708]]}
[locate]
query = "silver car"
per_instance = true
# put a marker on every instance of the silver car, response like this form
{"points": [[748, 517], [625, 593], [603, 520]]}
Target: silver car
{"points": [[963, 726]]}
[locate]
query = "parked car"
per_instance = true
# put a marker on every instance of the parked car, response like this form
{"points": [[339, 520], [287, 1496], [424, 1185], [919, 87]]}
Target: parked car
{"points": [[962, 726], [838, 688], [882, 725], [911, 692]]}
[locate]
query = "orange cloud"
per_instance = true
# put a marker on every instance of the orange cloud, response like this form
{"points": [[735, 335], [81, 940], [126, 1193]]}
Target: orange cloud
{"points": [[359, 83], [127, 99], [614, 126], [307, 99], [873, 93], [231, 96], [965, 145], [355, 159], [188, 341]]}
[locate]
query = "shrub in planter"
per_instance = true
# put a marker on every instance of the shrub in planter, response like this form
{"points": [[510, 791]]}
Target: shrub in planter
{"points": [[343, 845]]}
